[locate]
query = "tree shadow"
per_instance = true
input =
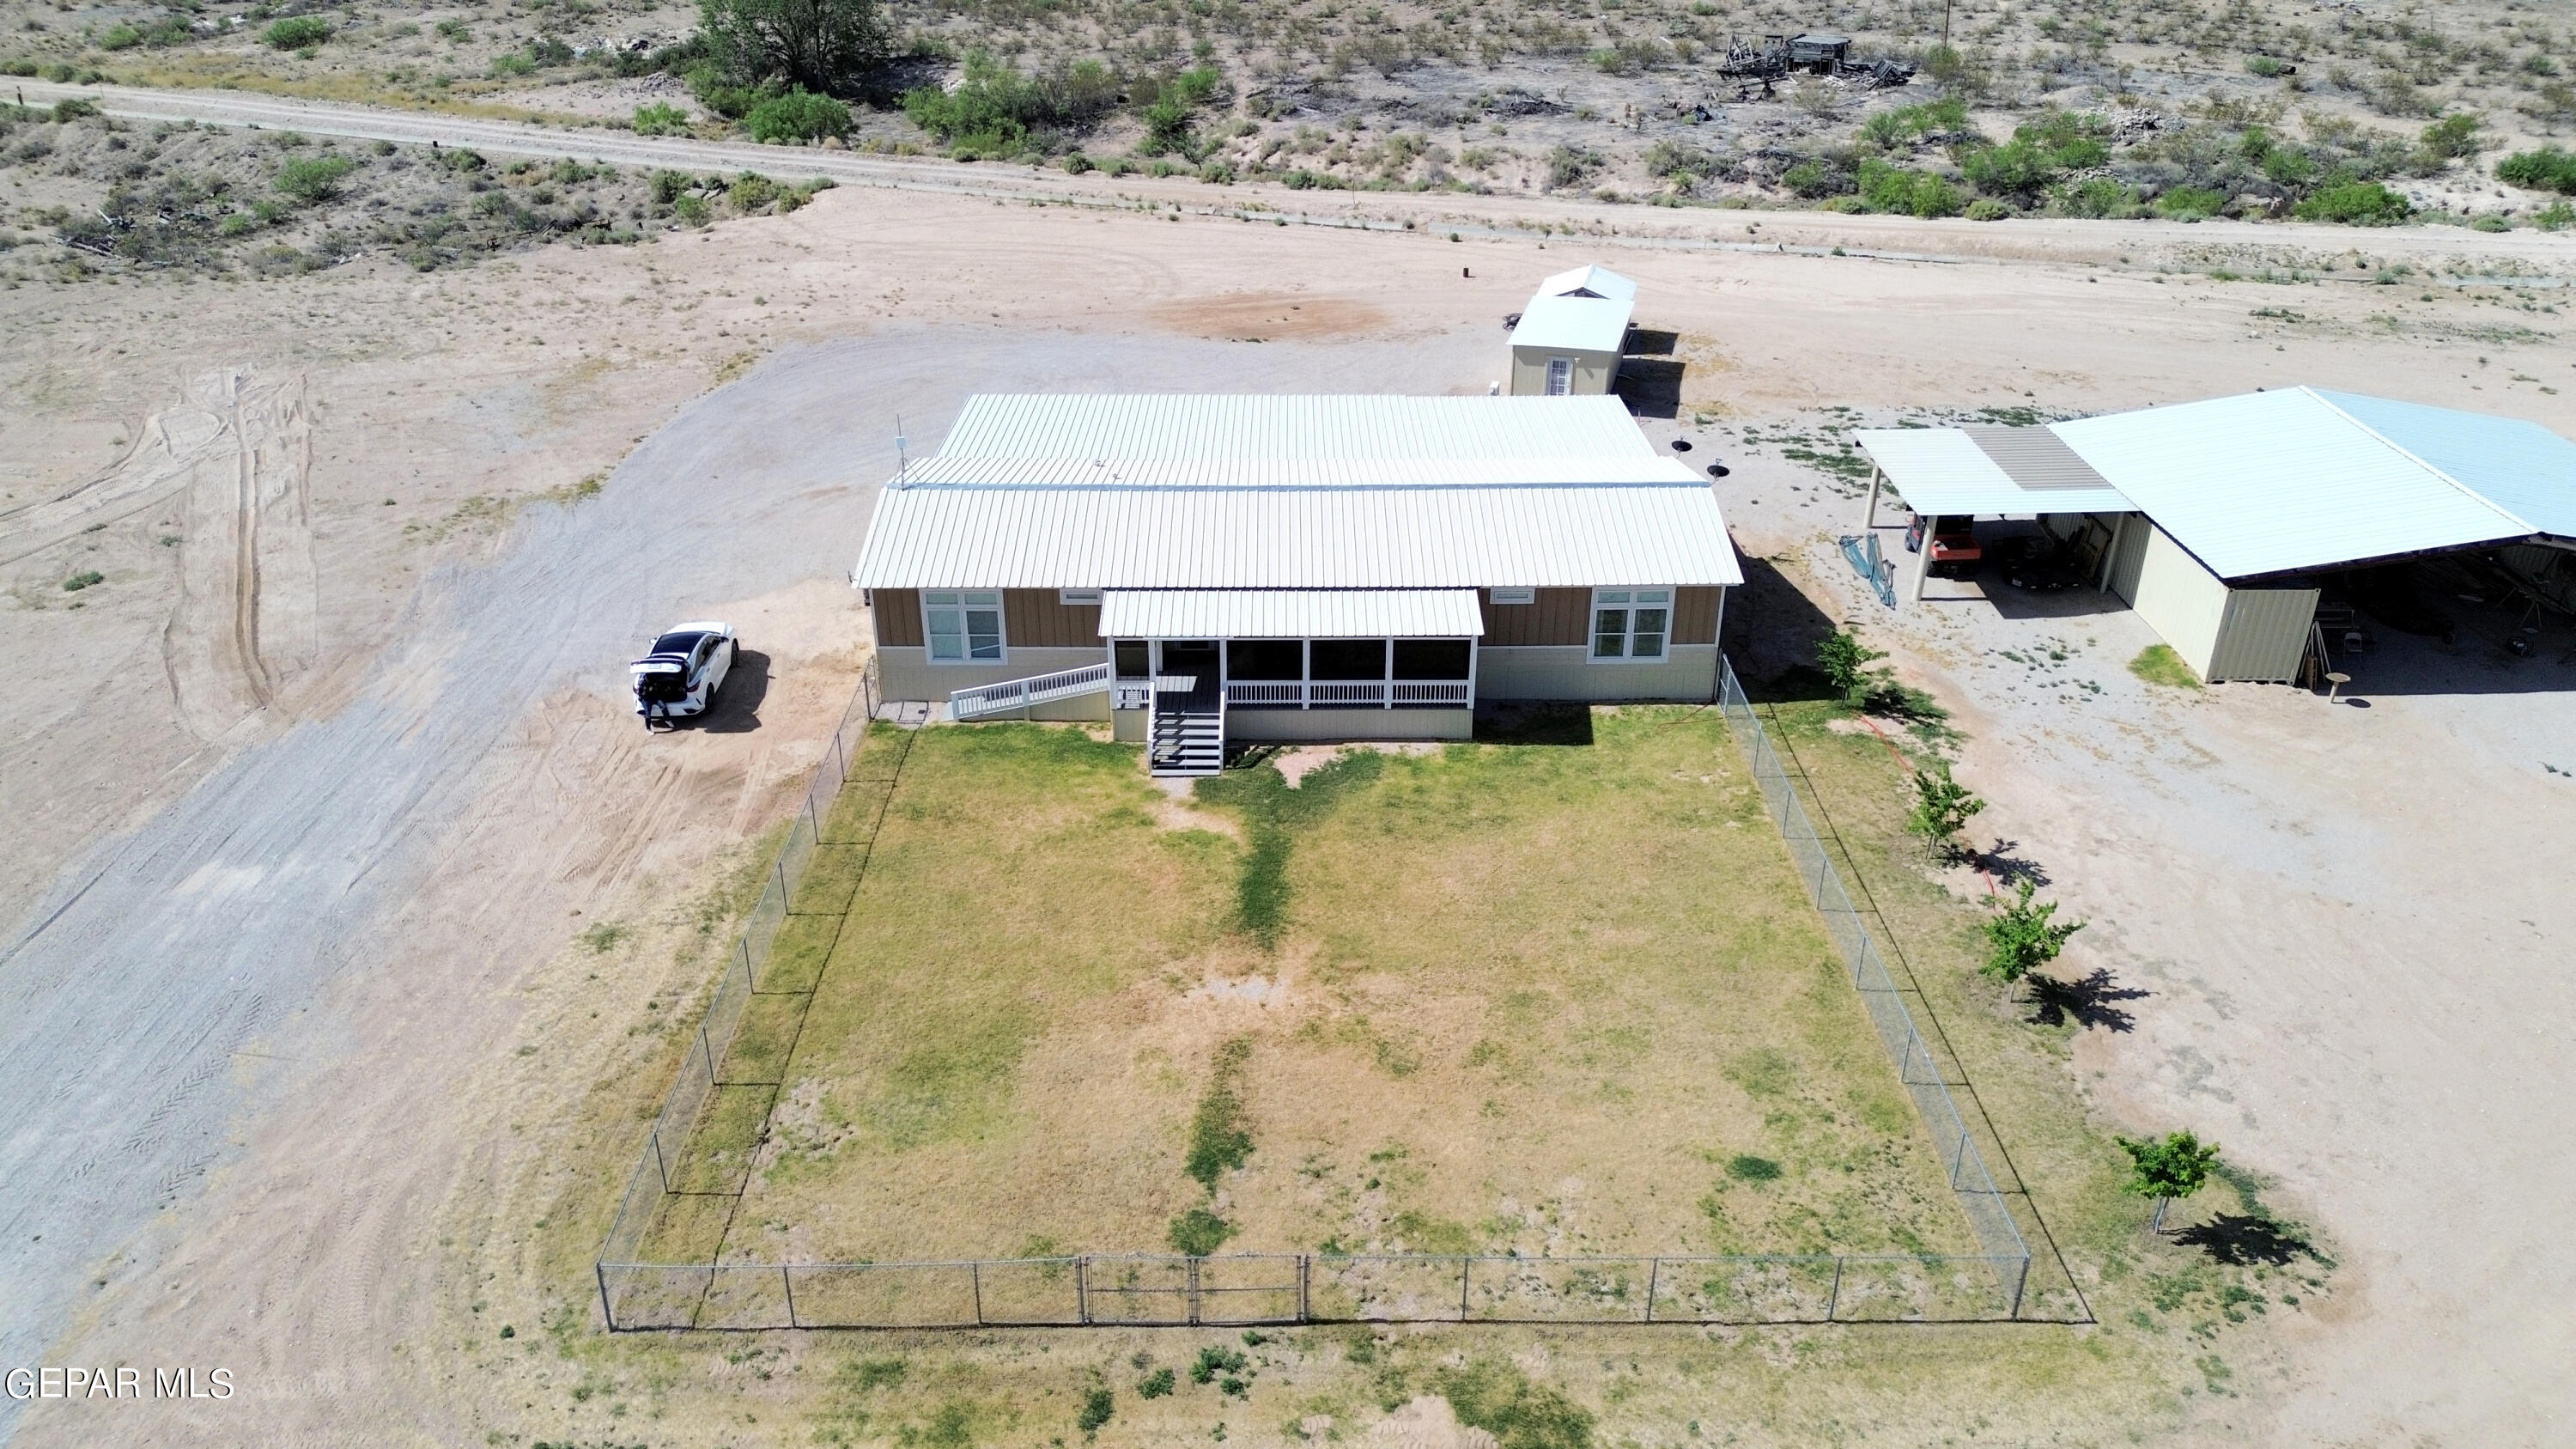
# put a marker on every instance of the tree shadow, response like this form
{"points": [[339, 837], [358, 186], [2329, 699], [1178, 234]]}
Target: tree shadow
{"points": [[1650, 386], [1534, 722], [1998, 861], [2247, 1239], [737, 706], [2086, 1001]]}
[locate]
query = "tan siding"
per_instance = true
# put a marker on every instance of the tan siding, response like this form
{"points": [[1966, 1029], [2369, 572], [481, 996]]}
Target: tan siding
{"points": [[1695, 615], [1033, 618], [898, 618], [1560, 616], [2264, 634], [1593, 371]]}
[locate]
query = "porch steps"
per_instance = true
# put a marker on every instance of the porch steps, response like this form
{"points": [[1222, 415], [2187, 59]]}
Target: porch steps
{"points": [[1187, 743]]}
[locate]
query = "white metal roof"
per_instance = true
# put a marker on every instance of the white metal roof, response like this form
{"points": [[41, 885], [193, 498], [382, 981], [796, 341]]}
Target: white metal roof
{"points": [[1320, 538], [1943, 471], [2277, 482], [2522, 468], [1576, 324], [1292, 472], [1290, 614], [1594, 281], [1205, 428]]}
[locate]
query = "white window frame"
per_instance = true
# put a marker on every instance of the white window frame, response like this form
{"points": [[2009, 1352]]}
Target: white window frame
{"points": [[1560, 377], [1078, 598], [1629, 604], [964, 604], [1513, 596]]}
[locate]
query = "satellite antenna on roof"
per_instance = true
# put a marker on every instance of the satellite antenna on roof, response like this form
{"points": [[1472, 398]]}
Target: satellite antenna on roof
{"points": [[901, 462]]}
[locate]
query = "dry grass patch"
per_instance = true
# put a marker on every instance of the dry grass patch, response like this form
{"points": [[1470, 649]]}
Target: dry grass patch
{"points": [[1502, 998]]}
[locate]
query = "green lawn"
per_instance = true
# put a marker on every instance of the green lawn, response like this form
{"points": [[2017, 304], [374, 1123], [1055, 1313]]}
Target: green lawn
{"points": [[1546, 998]]}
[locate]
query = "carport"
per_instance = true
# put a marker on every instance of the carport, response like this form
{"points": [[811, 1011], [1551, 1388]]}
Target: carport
{"points": [[2221, 522]]}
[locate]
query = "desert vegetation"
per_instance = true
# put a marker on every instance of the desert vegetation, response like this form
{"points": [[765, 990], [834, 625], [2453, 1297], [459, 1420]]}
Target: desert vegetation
{"points": [[101, 196], [2165, 108]]}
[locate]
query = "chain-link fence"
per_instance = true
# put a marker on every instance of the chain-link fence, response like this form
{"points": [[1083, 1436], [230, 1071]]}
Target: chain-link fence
{"points": [[1983, 1201], [676, 1183]]}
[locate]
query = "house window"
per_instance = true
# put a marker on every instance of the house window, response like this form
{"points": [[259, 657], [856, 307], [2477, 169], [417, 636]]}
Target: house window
{"points": [[1560, 376], [962, 626], [1630, 623]]}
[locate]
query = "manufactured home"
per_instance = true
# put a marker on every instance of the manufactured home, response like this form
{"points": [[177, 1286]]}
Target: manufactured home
{"points": [[1568, 340], [1204, 570], [2220, 522]]}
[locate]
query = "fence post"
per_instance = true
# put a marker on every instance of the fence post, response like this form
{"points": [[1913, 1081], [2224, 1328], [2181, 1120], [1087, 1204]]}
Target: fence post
{"points": [[1834, 1300], [1194, 1292], [707, 1052], [1305, 1298], [1654, 1273], [1466, 1266], [789, 1284], [659, 1165], [605, 1311], [2021, 1283], [1959, 1159], [742, 948], [975, 1273], [1082, 1288]]}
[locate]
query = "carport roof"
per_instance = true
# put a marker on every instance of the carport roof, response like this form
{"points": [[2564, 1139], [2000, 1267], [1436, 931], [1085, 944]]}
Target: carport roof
{"points": [[1956, 471], [2281, 482]]}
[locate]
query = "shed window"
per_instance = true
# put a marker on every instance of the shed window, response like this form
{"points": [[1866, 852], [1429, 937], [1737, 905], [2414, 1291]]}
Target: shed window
{"points": [[1560, 376], [1631, 623], [962, 626]]}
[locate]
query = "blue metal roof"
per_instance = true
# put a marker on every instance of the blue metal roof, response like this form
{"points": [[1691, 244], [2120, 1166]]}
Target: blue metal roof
{"points": [[2520, 467]]}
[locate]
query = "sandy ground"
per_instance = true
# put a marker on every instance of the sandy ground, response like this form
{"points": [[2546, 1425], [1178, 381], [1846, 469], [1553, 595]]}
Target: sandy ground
{"points": [[291, 1016]]}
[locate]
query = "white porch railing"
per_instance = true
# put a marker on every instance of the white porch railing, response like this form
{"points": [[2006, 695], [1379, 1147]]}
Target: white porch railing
{"points": [[985, 700], [1348, 694]]}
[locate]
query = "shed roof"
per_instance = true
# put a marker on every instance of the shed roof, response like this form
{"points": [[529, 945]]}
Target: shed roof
{"points": [[2284, 481], [1574, 324], [1290, 614], [1589, 281], [1214, 427], [1957, 471]]}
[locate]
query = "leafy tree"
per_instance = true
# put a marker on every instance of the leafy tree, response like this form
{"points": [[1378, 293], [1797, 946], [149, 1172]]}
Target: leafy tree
{"points": [[1845, 661], [799, 115], [824, 46], [2176, 1165], [2023, 937], [1942, 808]]}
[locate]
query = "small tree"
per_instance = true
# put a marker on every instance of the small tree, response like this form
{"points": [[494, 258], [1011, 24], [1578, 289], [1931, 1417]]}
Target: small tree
{"points": [[2176, 1165], [1942, 808], [2022, 937], [1845, 661], [825, 46]]}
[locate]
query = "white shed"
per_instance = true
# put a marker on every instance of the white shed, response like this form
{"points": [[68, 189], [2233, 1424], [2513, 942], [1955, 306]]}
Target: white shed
{"points": [[1568, 339]]}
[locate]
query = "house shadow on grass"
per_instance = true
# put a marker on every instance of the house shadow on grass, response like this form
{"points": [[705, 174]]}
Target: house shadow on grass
{"points": [[1772, 630], [1534, 722]]}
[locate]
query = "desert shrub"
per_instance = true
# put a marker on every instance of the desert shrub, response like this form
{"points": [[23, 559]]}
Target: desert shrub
{"points": [[995, 108], [1156, 1385], [659, 119], [799, 115], [309, 179], [1198, 1232], [1933, 118], [2264, 66], [667, 187], [692, 211], [461, 160], [80, 581], [1986, 208], [1498, 1397], [2547, 169], [719, 92], [1907, 193], [2094, 197], [295, 32], [752, 192], [121, 37], [1815, 178], [454, 31], [1567, 166], [550, 50], [1076, 163], [74, 108], [1097, 1407], [2191, 203], [1165, 108], [19, 66], [2454, 137], [2040, 153], [511, 64], [2355, 203]]}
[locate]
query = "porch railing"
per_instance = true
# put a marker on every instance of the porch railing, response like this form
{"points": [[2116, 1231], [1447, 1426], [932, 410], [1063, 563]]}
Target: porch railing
{"points": [[1348, 693], [1015, 694]]}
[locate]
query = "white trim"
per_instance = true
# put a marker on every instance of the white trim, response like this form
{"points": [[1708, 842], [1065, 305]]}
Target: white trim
{"points": [[967, 602], [1630, 602]]}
